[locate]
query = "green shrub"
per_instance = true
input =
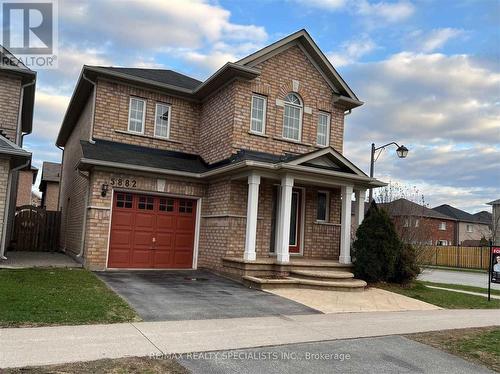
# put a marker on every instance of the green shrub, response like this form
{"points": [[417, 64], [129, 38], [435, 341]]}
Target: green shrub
{"points": [[376, 248], [406, 268]]}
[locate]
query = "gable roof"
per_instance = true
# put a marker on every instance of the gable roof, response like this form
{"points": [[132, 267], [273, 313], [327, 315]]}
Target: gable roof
{"points": [[484, 217], [456, 213], [189, 88], [404, 207], [494, 202], [10, 64], [337, 161], [317, 57]]}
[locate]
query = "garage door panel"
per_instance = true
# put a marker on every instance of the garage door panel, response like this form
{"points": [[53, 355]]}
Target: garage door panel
{"points": [[171, 222], [121, 237], [183, 259], [145, 221], [185, 223], [123, 219]]}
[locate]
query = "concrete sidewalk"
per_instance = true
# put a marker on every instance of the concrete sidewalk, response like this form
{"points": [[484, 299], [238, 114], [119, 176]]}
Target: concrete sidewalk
{"points": [[53, 345]]}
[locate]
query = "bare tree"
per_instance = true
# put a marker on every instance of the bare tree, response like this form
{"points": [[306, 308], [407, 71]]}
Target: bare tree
{"points": [[410, 220]]}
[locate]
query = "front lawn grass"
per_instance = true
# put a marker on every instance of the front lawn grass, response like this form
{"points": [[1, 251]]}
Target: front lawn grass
{"points": [[478, 344], [462, 287], [442, 298], [37, 297], [108, 366]]}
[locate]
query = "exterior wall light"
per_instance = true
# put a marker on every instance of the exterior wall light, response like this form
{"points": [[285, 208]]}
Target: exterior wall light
{"points": [[104, 189]]}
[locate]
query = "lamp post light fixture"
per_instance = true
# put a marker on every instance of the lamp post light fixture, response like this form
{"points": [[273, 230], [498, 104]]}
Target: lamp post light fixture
{"points": [[401, 151]]}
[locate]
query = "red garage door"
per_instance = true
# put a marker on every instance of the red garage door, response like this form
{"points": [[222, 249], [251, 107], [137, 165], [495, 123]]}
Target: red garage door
{"points": [[151, 232]]}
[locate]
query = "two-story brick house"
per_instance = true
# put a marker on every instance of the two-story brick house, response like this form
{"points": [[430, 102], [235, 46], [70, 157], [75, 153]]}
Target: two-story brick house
{"points": [[17, 95], [246, 168]]}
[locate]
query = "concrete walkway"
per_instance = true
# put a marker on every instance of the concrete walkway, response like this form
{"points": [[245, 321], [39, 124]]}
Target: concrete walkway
{"points": [[466, 278], [26, 259], [370, 300], [53, 345]]}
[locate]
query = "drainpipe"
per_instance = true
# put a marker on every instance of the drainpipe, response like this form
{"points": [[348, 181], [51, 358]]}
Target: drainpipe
{"points": [[7, 207], [91, 138], [19, 114], [84, 226]]}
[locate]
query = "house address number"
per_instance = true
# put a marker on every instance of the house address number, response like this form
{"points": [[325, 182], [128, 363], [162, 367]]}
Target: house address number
{"points": [[121, 182]]}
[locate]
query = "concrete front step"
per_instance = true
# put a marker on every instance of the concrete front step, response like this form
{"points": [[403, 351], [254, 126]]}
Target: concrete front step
{"points": [[348, 285], [324, 275]]}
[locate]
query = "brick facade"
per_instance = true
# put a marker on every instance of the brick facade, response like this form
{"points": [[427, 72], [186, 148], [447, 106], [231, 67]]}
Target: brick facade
{"points": [[25, 182], [215, 129], [50, 197], [10, 92], [428, 230], [4, 177]]}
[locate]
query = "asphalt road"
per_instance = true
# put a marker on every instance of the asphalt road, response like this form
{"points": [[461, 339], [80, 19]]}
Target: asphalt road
{"points": [[466, 278], [194, 295], [389, 354]]}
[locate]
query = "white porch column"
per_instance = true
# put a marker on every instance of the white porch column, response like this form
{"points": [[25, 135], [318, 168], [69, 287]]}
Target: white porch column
{"points": [[282, 250], [252, 208], [345, 226], [359, 206]]}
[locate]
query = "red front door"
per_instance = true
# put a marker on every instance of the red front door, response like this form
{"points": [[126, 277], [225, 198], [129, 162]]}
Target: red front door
{"points": [[151, 232], [295, 221]]}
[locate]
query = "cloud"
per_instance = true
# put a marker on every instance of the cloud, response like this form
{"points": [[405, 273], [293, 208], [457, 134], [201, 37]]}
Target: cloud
{"points": [[351, 51], [324, 4], [434, 39], [385, 11], [49, 111], [155, 24], [445, 109]]}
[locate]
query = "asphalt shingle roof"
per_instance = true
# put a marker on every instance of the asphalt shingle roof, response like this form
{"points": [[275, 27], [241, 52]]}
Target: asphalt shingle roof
{"points": [[404, 207], [8, 147], [158, 75], [51, 172], [484, 217]]}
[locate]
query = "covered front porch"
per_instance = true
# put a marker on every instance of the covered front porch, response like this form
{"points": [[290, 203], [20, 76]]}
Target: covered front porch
{"points": [[306, 220]]}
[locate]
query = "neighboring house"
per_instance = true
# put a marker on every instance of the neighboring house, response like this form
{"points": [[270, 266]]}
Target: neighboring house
{"points": [[418, 224], [469, 229], [17, 93], [161, 170], [495, 219], [49, 185], [35, 199], [26, 180]]}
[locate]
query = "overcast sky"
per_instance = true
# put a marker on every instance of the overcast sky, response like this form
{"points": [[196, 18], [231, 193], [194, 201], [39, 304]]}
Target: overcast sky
{"points": [[428, 72]]}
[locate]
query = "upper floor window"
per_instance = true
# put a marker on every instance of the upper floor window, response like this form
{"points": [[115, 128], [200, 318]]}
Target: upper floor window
{"points": [[469, 228], [323, 130], [162, 121], [258, 116], [442, 226], [292, 117], [136, 115]]}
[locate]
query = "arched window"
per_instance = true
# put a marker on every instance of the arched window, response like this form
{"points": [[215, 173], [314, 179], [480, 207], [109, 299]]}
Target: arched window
{"points": [[292, 117]]}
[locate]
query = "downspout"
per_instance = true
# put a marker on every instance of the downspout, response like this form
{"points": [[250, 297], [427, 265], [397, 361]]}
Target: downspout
{"points": [[7, 208], [91, 138], [19, 114], [84, 226]]}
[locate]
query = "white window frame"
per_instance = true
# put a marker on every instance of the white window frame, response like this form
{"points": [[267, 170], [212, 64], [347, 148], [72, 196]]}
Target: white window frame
{"points": [[327, 207], [417, 222], [327, 137], [471, 228], [143, 114], [406, 222], [442, 226], [442, 242], [168, 121], [264, 114], [301, 108]]}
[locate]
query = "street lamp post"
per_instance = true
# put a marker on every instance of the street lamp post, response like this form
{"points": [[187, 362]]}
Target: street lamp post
{"points": [[401, 151]]}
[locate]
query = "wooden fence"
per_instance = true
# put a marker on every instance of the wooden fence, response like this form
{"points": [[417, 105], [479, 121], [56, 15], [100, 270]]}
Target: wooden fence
{"points": [[36, 229], [455, 256]]}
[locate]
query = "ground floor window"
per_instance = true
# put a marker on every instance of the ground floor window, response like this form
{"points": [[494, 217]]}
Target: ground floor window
{"points": [[323, 203]]}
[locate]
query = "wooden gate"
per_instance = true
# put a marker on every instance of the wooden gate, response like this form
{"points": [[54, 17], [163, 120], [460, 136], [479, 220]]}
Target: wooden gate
{"points": [[36, 229]]}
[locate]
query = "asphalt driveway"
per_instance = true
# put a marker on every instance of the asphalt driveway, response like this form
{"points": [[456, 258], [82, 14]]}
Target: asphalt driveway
{"points": [[388, 354], [194, 295]]}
